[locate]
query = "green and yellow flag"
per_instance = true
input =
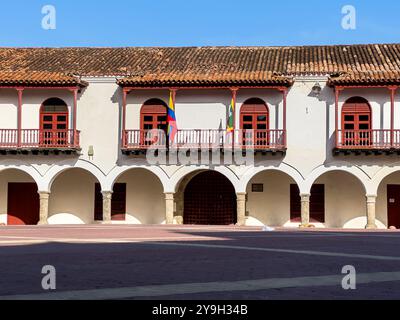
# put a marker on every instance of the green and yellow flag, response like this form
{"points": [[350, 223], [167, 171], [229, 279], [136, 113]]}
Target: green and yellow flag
{"points": [[231, 126]]}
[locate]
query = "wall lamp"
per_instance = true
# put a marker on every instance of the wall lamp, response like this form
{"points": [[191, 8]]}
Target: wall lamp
{"points": [[316, 90]]}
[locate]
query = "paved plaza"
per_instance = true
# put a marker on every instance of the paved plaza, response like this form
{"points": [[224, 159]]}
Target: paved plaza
{"points": [[185, 262]]}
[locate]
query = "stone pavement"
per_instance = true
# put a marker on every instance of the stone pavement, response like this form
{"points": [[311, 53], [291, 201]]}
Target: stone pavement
{"points": [[185, 262]]}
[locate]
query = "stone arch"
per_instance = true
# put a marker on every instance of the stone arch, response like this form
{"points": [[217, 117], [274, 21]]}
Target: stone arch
{"points": [[28, 169], [345, 192], [355, 171], [144, 192], [178, 176], [52, 174], [383, 173], [19, 196], [284, 168], [118, 171], [385, 186]]}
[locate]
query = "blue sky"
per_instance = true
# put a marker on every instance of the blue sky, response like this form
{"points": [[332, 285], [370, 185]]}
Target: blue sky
{"points": [[197, 23]]}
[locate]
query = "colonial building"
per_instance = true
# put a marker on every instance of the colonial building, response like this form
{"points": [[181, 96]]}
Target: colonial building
{"points": [[323, 122]]}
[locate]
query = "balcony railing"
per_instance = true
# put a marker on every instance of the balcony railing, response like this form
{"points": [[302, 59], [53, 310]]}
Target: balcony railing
{"points": [[39, 139], [368, 139], [205, 139]]}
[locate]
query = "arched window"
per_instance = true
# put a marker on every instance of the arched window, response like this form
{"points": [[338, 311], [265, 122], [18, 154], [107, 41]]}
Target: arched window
{"points": [[153, 115], [254, 115], [54, 122], [356, 122]]}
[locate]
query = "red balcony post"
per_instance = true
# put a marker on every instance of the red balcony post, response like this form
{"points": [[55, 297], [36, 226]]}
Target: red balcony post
{"points": [[19, 116], [124, 99], [337, 93], [284, 92], [392, 96], [75, 92]]}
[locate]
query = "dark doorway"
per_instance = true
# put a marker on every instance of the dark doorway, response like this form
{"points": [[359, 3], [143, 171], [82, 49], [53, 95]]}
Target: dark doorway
{"points": [[118, 203], [210, 199], [393, 194], [23, 204], [317, 203]]}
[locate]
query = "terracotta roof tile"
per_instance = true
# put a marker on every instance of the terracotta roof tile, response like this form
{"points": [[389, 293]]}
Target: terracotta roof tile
{"points": [[38, 78], [193, 66]]}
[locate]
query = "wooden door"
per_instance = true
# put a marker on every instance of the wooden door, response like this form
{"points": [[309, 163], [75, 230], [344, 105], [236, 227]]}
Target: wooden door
{"points": [[254, 121], [393, 194], [356, 123], [54, 128], [210, 199], [23, 204], [153, 116]]}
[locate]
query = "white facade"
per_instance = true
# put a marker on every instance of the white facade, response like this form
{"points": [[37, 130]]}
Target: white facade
{"points": [[349, 180]]}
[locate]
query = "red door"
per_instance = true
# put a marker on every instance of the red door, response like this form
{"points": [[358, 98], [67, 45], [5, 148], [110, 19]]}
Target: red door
{"points": [[254, 121], [153, 116], [210, 199], [54, 129], [23, 204], [393, 194], [356, 123]]}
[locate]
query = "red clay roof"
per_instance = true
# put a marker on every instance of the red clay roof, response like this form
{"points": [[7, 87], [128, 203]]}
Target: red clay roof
{"points": [[194, 66], [38, 78]]}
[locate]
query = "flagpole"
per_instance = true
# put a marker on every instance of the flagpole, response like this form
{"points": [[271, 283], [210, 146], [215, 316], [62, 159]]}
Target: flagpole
{"points": [[234, 97], [172, 92]]}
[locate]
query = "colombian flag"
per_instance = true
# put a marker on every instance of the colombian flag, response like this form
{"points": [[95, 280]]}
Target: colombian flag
{"points": [[230, 126], [172, 127]]}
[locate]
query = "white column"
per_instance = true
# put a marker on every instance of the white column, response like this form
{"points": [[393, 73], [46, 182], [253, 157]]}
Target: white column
{"points": [[305, 210], [107, 197], [241, 208], [44, 207], [371, 205], [169, 208]]}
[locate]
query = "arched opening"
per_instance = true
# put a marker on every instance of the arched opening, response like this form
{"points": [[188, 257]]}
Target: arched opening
{"points": [[343, 200], [73, 197], [19, 198], [254, 121], [153, 115], [268, 199], [141, 198], [356, 122], [209, 199], [54, 123], [388, 201]]}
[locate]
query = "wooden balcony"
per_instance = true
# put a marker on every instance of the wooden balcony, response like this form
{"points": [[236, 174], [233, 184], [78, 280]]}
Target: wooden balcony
{"points": [[258, 140], [39, 140], [376, 140]]}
